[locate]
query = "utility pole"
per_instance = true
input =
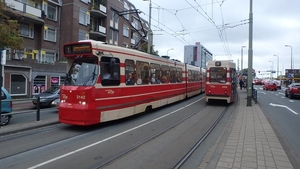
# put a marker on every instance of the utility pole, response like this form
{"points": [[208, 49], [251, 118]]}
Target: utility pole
{"points": [[149, 31], [250, 59]]}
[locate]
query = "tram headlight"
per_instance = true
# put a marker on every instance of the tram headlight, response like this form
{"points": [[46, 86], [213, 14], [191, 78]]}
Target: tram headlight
{"points": [[82, 102]]}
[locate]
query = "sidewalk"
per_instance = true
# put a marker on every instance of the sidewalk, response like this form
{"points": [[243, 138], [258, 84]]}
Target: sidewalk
{"points": [[14, 128], [248, 141]]}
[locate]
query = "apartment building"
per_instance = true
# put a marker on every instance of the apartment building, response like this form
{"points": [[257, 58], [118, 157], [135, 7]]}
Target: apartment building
{"points": [[46, 25]]}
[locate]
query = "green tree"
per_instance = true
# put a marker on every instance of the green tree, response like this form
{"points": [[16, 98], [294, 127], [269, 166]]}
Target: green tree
{"points": [[144, 48], [9, 29]]}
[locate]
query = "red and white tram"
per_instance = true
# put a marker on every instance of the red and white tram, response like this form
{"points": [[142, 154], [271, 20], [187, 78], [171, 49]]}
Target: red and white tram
{"points": [[220, 81], [106, 82]]}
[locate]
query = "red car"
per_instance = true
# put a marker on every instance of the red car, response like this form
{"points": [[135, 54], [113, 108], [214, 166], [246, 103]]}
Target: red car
{"points": [[270, 86], [293, 90]]}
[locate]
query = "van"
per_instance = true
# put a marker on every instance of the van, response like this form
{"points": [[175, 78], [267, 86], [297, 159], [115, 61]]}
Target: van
{"points": [[6, 106]]}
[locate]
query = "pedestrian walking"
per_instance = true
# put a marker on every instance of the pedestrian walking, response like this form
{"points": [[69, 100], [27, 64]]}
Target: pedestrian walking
{"points": [[241, 84]]}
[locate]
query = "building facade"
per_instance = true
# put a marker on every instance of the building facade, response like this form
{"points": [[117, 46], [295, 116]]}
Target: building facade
{"points": [[46, 25], [197, 55]]}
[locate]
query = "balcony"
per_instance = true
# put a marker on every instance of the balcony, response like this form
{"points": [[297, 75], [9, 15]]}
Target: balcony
{"points": [[98, 10], [29, 13], [98, 31]]}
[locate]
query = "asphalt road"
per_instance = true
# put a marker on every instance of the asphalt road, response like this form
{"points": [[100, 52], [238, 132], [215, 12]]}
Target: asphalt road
{"points": [[284, 113], [159, 144]]}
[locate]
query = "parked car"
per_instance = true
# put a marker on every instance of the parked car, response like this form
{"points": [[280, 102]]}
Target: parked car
{"points": [[6, 106], [55, 103], [278, 83], [270, 85], [293, 90], [47, 96]]}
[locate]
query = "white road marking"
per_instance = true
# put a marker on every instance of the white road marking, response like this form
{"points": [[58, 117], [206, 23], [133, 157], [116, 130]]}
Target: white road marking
{"points": [[278, 105], [109, 138]]}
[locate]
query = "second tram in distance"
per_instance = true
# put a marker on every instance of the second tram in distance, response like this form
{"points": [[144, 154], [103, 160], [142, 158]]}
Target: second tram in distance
{"points": [[106, 82], [221, 81]]}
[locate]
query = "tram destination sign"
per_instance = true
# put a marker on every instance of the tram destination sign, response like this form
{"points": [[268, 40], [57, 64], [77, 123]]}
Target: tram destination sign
{"points": [[77, 48]]}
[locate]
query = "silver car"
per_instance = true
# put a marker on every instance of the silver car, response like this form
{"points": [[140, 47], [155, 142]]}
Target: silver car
{"points": [[47, 96]]}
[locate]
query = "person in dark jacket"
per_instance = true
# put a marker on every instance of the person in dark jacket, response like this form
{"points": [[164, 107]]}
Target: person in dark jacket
{"points": [[241, 84]]}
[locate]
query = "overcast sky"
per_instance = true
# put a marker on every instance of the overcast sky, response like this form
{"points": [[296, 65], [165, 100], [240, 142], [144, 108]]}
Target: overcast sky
{"points": [[222, 27]]}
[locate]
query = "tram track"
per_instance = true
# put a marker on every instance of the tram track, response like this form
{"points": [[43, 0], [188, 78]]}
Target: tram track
{"points": [[116, 157], [193, 149], [103, 164]]}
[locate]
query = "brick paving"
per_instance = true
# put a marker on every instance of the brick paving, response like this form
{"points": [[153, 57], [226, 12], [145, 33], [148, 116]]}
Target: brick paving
{"points": [[251, 142]]}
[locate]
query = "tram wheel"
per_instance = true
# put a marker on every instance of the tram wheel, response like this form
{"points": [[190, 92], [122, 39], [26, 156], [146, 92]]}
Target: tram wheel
{"points": [[148, 109]]}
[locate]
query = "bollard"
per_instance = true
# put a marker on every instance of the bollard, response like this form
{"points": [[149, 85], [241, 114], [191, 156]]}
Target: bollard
{"points": [[254, 95], [38, 109]]}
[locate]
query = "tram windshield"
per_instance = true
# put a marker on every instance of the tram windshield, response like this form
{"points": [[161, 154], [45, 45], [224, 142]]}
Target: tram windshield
{"points": [[217, 74], [82, 74]]}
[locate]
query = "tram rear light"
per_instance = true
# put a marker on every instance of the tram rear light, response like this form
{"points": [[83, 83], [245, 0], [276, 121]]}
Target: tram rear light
{"points": [[225, 92]]}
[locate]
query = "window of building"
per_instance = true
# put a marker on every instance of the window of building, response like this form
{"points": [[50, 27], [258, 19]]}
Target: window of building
{"points": [[51, 12], [113, 37], [125, 45], [135, 36], [126, 8], [50, 34], [55, 81], [18, 84], [126, 30], [83, 35], [39, 83], [114, 19], [135, 23], [84, 17], [85, 1], [50, 57], [26, 30]]}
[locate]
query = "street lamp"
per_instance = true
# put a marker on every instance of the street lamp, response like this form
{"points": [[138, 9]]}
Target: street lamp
{"points": [[277, 64], [272, 69], [242, 57], [291, 56], [149, 31], [168, 51]]}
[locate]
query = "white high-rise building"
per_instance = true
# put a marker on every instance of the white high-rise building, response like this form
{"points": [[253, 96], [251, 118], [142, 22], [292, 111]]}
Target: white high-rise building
{"points": [[197, 55]]}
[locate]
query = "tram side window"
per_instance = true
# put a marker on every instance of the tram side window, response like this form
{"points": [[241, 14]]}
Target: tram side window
{"points": [[142, 71], [232, 75], [179, 75], [172, 75], [155, 73], [189, 75], [129, 72], [165, 71], [110, 71], [196, 75], [217, 74]]}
